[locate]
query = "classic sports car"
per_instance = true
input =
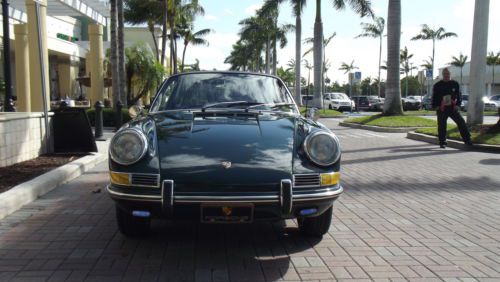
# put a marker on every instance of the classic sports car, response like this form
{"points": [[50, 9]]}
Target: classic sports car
{"points": [[224, 147]]}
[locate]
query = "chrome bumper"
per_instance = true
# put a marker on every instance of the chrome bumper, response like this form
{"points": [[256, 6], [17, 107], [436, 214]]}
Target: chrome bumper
{"points": [[285, 198]]}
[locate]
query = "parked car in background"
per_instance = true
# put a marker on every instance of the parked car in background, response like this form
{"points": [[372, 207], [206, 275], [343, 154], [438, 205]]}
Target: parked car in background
{"points": [[337, 101], [488, 105], [426, 103], [495, 99], [368, 103], [411, 103], [224, 147]]}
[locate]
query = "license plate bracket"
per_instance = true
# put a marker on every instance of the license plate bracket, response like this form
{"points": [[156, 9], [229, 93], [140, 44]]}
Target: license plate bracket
{"points": [[226, 213]]}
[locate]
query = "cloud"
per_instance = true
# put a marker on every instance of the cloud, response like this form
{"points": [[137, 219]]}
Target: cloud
{"points": [[210, 18], [228, 11], [252, 9]]}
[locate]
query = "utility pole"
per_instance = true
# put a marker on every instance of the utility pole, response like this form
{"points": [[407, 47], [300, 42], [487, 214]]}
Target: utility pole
{"points": [[6, 58]]}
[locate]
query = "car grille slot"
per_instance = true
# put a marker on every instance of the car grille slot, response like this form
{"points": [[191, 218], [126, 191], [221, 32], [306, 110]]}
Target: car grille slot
{"points": [[306, 180], [145, 179]]}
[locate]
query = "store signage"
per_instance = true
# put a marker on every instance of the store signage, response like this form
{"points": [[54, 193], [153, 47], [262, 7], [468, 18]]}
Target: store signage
{"points": [[67, 37]]}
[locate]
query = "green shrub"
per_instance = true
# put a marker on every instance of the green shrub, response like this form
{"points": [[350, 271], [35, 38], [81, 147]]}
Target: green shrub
{"points": [[108, 116]]}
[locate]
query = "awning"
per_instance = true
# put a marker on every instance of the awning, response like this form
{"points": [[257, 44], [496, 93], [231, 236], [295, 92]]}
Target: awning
{"points": [[96, 10]]}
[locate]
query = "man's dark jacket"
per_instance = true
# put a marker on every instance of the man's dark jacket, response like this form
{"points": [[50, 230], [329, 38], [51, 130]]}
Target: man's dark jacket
{"points": [[443, 88]]}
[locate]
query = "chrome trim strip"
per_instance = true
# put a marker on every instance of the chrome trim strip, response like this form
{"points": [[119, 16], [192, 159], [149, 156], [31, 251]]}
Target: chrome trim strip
{"points": [[214, 199], [290, 198], [171, 182], [132, 196]]}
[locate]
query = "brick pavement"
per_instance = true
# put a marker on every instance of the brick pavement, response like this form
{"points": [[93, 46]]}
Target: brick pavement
{"points": [[410, 211]]}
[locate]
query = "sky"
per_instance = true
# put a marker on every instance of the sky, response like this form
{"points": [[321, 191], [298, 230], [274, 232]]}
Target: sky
{"points": [[453, 15]]}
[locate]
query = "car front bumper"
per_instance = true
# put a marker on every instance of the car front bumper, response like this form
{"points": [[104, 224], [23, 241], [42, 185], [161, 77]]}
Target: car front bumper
{"points": [[283, 204]]}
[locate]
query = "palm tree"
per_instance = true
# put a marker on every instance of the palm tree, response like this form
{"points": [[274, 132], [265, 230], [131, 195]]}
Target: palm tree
{"points": [[361, 7], [308, 66], [493, 60], [347, 68], [254, 31], [404, 57], [326, 41], [193, 38], [459, 62], [392, 105], [114, 63], [375, 30], [428, 33], [427, 64], [298, 6], [121, 51], [138, 12]]}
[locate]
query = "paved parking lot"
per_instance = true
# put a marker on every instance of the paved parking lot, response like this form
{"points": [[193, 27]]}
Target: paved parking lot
{"points": [[410, 211]]}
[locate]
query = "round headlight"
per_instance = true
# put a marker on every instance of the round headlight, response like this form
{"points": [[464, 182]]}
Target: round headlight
{"points": [[128, 146], [322, 148]]}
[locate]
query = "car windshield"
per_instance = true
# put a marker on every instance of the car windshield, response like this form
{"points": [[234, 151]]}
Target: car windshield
{"points": [[338, 97], [222, 90]]}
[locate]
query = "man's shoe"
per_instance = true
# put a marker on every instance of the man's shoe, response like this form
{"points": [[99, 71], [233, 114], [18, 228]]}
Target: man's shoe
{"points": [[468, 143], [442, 146]]}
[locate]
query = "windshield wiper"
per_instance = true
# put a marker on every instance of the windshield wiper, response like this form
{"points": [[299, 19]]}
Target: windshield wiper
{"points": [[271, 105], [227, 104]]}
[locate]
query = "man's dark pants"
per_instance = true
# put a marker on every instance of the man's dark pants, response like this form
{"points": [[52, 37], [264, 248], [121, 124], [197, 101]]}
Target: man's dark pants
{"points": [[442, 118]]}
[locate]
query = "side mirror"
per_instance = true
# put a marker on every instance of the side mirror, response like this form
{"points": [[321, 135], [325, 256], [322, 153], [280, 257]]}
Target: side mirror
{"points": [[134, 111]]}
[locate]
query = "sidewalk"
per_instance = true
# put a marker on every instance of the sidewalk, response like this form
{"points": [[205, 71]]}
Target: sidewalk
{"points": [[24, 193]]}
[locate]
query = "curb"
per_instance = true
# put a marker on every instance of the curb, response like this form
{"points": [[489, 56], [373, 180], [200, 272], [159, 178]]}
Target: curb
{"points": [[379, 128], [453, 143], [26, 192]]}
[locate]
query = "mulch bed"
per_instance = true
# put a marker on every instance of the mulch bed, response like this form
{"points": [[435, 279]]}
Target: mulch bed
{"points": [[21, 172]]}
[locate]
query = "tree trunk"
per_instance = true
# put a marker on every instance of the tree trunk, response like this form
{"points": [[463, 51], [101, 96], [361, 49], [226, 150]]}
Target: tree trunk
{"points": [[298, 57], [114, 55], [151, 28], [433, 53], [268, 55], [318, 57], [183, 55], [164, 32], [275, 51], [379, 64], [478, 62], [121, 52], [392, 105]]}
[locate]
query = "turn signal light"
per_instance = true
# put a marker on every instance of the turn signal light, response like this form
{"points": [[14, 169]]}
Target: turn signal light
{"points": [[119, 178], [330, 179]]}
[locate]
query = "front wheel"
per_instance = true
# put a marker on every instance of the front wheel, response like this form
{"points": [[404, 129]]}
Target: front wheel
{"points": [[316, 226], [130, 225], [330, 107]]}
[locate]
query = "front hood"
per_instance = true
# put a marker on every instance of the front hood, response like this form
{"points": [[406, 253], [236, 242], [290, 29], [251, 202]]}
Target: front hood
{"points": [[195, 150]]}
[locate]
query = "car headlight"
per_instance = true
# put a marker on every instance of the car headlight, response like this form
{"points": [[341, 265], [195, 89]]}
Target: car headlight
{"points": [[128, 146], [322, 148]]}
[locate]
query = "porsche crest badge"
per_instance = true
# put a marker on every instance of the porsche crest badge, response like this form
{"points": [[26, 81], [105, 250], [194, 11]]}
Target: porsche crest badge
{"points": [[226, 165]]}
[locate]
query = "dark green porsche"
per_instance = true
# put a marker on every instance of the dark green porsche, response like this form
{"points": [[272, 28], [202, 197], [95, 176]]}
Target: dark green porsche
{"points": [[224, 147]]}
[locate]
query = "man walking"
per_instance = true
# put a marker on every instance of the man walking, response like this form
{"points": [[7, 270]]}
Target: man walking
{"points": [[446, 99]]}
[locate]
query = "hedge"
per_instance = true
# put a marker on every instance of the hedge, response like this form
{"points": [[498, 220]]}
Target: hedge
{"points": [[108, 116]]}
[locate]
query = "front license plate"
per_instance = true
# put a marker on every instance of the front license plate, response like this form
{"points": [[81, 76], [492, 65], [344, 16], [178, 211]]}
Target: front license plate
{"points": [[232, 213]]}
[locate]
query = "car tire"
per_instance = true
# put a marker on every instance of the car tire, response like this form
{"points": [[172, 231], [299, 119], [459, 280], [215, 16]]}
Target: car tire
{"points": [[130, 225], [330, 107], [316, 226]]}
